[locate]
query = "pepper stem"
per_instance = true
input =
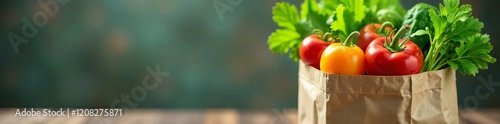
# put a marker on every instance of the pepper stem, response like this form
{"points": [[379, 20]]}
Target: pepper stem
{"points": [[384, 25], [348, 41], [394, 45]]}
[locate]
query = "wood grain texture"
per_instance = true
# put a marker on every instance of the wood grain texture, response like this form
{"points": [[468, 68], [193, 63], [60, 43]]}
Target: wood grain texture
{"points": [[211, 116]]}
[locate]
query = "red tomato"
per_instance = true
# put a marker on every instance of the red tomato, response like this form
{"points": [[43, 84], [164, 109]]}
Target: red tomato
{"points": [[311, 49], [371, 32], [397, 58]]}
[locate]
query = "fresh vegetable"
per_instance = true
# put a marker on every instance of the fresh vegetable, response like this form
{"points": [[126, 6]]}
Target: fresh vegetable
{"points": [[348, 19], [418, 19], [313, 46], [389, 15], [293, 29], [374, 8], [456, 41], [352, 15], [343, 58], [385, 10], [339, 17], [393, 57], [371, 32]]}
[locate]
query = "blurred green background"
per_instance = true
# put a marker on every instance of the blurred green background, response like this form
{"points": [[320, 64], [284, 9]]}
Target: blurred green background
{"points": [[92, 52]]}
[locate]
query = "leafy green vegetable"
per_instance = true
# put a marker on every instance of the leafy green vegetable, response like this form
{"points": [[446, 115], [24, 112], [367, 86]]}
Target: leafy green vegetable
{"points": [[295, 28], [393, 8], [470, 57], [348, 19], [390, 15], [373, 6], [418, 19], [285, 15], [312, 18], [281, 40], [456, 40], [352, 15], [340, 17]]}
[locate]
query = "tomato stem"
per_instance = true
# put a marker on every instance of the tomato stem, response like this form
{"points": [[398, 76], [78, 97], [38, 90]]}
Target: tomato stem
{"points": [[382, 28], [395, 46], [326, 37], [323, 36], [318, 32], [348, 41]]}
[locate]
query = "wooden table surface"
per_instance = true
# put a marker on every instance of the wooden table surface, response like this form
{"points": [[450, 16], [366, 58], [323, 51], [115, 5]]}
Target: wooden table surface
{"points": [[210, 116]]}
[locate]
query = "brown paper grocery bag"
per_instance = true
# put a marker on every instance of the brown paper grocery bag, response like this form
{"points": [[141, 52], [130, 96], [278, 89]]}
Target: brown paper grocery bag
{"points": [[425, 98]]}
